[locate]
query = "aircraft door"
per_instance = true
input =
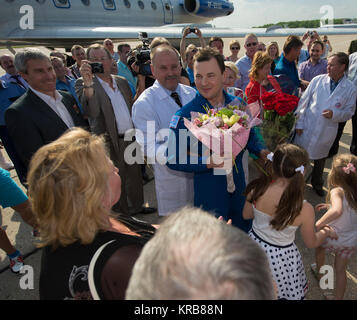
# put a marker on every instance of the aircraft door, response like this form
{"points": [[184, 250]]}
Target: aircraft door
{"points": [[168, 11]]}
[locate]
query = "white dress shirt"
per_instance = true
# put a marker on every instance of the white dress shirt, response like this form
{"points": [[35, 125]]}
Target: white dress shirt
{"points": [[121, 110], [174, 189], [57, 106]]}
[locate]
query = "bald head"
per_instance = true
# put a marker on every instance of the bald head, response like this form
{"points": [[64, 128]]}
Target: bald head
{"points": [[165, 66], [163, 50], [7, 63]]}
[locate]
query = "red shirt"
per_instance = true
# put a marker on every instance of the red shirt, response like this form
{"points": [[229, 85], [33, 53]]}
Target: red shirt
{"points": [[253, 91]]}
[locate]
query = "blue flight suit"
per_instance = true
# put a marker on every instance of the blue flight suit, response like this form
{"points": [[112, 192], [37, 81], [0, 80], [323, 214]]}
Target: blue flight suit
{"points": [[210, 190], [69, 87], [9, 93]]}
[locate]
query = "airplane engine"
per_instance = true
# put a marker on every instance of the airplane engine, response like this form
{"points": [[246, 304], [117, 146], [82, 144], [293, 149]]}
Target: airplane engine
{"points": [[208, 8]]}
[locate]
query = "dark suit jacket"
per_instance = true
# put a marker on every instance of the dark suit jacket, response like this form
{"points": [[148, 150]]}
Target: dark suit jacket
{"points": [[32, 123]]}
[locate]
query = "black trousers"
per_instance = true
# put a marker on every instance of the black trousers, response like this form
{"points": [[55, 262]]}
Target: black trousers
{"points": [[317, 171]]}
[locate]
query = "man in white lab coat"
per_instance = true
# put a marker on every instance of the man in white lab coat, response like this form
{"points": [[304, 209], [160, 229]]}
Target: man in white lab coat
{"points": [[152, 113], [328, 100], [352, 75]]}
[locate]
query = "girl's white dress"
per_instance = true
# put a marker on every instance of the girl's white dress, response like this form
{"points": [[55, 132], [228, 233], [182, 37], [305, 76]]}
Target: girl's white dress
{"points": [[346, 229], [284, 257]]}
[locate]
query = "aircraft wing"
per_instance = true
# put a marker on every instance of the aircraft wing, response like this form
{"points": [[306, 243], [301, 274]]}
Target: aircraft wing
{"points": [[67, 36]]}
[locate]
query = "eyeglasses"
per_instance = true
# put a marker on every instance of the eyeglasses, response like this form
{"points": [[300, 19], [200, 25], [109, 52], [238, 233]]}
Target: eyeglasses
{"points": [[234, 48], [251, 44]]}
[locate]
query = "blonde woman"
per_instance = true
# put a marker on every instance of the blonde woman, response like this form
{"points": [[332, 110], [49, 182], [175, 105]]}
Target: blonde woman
{"points": [[230, 78], [73, 185], [234, 47], [273, 50]]}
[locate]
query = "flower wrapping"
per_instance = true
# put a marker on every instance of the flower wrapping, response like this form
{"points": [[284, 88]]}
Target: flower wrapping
{"points": [[222, 131], [279, 118], [225, 131]]}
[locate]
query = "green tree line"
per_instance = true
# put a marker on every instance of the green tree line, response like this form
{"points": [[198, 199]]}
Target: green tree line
{"points": [[302, 24]]}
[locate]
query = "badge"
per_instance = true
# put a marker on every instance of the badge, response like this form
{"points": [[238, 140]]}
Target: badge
{"points": [[338, 105], [174, 121]]}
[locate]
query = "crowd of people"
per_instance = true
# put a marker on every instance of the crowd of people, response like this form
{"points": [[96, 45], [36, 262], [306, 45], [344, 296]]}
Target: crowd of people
{"points": [[72, 130]]}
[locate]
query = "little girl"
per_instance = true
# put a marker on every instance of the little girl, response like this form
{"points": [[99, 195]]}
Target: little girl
{"points": [[342, 217], [276, 202]]}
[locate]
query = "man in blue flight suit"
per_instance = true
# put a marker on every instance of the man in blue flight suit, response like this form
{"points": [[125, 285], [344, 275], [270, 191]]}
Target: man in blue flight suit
{"points": [[210, 190], [9, 93]]}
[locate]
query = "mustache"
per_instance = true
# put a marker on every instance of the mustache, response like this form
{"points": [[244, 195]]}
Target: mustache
{"points": [[172, 77]]}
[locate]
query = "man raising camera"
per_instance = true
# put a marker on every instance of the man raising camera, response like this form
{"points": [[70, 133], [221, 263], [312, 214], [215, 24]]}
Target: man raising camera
{"points": [[105, 97]]}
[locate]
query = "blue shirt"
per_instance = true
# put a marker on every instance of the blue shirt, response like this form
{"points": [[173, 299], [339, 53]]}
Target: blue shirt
{"points": [[244, 64], [124, 71], [9, 93], [191, 76], [69, 87], [284, 66], [304, 55], [10, 193]]}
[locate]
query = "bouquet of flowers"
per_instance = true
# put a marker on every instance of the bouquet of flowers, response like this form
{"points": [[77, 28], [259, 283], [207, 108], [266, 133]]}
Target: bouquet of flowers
{"points": [[279, 118], [225, 130]]}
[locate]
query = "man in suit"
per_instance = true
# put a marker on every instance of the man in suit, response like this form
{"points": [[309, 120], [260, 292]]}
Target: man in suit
{"points": [[42, 114], [107, 100]]}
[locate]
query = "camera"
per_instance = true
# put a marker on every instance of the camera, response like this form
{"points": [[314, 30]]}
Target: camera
{"points": [[97, 67], [142, 57], [193, 30], [310, 33]]}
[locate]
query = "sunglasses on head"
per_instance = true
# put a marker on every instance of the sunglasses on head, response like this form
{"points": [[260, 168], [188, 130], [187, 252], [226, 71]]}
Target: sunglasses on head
{"points": [[251, 44], [234, 48]]}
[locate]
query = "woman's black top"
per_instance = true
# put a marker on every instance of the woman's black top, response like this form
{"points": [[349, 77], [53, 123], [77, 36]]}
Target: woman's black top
{"points": [[64, 271]]}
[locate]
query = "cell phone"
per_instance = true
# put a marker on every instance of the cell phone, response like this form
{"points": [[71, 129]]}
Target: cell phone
{"points": [[193, 30], [97, 67]]}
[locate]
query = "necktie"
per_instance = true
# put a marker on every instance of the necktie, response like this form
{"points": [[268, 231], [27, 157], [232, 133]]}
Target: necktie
{"points": [[176, 97], [16, 77]]}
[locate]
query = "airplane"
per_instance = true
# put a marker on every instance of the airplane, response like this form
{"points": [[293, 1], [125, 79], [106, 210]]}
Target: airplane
{"points": [[62, 23]]}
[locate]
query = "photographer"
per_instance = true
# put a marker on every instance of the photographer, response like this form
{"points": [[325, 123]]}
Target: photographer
{"points": [[105, 97], [185, 33]]}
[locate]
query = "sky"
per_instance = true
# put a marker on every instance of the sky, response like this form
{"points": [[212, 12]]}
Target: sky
{"points": [[249, 13]]}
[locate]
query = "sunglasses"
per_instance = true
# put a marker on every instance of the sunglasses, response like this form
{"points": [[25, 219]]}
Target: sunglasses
{"points": [[235, 48], [251, 44]]}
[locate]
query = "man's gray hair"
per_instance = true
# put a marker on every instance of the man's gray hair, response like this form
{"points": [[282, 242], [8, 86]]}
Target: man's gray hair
{"points": [[193, 255], [22, 57]]}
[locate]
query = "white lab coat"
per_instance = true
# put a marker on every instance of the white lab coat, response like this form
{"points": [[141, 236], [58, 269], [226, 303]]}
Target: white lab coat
{"points": [[319, 133], [174, 189]]}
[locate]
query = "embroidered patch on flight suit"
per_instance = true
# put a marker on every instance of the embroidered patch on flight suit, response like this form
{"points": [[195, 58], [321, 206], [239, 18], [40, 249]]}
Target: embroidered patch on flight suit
{"points": [[174, 121]]}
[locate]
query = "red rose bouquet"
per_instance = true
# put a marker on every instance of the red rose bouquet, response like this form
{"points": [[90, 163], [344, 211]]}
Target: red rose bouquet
{"points": [[279, 118]]}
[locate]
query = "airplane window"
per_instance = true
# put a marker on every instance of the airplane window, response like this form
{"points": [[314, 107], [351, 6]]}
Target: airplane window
{"points": [[153, 5], [127, 3], [109, 4], [61, 3], [141, 5], [86, 2], [40, 1]]}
